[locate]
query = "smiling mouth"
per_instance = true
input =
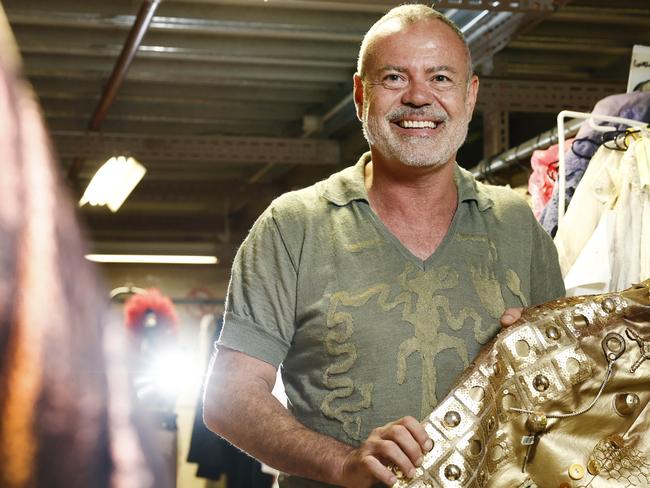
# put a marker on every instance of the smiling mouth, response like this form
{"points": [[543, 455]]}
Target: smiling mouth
{"points": [[417, 124]]}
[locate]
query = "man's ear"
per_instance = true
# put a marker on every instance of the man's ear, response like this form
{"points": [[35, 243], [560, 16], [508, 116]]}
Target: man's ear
{"points": [[358, 95], [472, 93]]}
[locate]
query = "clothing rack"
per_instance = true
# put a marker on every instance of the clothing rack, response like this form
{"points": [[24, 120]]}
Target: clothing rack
{"points": [[581, 117], [490, 165], [121, 293]]}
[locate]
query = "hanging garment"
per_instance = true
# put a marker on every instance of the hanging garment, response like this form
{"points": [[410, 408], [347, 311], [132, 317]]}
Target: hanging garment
{"points": [[635, 106], [216, 457], [558, 399], [597, 192], [542, 179], [616, 254]]}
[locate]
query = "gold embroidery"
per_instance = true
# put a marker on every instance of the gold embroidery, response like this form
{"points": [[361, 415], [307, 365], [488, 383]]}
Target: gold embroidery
{"points": [[340, 328], [486, 284], [361, 246], [425, 316], [514, 285], [480, 238], [425, 310], [488, 289]]}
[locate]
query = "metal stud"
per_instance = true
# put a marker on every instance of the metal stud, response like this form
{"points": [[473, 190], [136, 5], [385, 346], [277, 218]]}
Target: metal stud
{"points": [[593, 467], [540, 382], [576, 471], [626, 403], [553, 333], [580, 320], [452, 472], [536, 422], [608, 305], [451, 419]]}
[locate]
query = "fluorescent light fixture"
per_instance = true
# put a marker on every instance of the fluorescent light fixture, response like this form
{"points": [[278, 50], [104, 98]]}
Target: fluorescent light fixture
{"points": [[113, 183], [151, 258]]}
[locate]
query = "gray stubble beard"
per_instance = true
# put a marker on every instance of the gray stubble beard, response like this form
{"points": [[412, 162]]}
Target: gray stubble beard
{"points": [[412, 152]]}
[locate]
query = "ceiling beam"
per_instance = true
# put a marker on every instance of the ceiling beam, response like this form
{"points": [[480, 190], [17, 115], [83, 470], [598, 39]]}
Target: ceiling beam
{"points": [[525, 6], [163, 126], [603, 15], [183, 109], [216, 150], [89, 38], [513, 95], [265, 30], [380, 6], [59, 88], [173, 80], [167, 54], [185, 70]]}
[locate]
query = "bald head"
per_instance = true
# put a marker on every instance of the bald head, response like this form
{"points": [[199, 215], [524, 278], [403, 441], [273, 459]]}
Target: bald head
{"points": [[397, 19]]}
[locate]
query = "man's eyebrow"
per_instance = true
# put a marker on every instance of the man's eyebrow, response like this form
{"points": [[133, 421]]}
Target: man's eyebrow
{"points": [[390, 67], [444, 67], [431, 69]]}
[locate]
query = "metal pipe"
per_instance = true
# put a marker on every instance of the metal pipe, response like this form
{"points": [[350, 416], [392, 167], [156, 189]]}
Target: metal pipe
{"points": [[506, 159], [121, 68]]}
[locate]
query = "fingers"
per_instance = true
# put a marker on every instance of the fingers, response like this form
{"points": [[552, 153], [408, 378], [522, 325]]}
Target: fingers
{"points": [[379, 471], [510, 316], [403, 444], [418, 433]]}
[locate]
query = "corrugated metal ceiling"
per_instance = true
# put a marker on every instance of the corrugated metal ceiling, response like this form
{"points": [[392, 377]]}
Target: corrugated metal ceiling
{"points": [[280, 69]]}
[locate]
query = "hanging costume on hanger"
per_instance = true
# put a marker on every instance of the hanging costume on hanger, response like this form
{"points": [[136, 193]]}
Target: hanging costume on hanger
{"points": [[604, 240], [559, 399], [634, 106], [542, 179], [215, 456]]}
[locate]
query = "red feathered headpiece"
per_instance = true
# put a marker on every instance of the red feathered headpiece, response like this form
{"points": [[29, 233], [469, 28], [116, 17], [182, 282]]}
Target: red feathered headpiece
{"points": [[139, 306]]}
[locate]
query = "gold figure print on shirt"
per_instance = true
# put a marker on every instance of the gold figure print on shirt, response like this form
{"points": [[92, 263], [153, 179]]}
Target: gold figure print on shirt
{"points": [[423, 310], [486, 282]]}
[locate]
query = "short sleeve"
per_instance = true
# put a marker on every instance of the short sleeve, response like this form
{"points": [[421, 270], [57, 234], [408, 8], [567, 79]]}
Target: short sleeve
{"points": [[260, 304], [545, 275]]}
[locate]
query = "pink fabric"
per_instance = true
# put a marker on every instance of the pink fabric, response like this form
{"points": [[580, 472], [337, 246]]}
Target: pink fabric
{"points": [[542, 179]]}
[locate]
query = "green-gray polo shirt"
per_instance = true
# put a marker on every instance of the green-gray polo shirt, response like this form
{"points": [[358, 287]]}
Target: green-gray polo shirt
{"points": [[365, 331]]}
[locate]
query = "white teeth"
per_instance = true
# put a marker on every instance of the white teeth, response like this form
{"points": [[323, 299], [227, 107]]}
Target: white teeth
{"points": [[417, 124]]}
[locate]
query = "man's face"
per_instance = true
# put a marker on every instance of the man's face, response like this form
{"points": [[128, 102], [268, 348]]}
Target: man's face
{"points": [[416, 101]]}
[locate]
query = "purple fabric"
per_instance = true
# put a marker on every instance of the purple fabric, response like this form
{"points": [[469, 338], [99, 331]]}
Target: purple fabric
{"points": [[634, 106]]}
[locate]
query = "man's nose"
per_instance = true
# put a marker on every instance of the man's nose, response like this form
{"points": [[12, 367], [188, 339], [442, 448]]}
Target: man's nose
{"points": [[417, 94]]}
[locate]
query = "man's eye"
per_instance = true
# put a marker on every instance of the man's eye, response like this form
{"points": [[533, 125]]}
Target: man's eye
{"points": [[394, 80], [441, 78]]}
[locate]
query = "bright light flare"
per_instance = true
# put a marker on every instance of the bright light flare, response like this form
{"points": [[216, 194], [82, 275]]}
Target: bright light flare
{"points": [[113, 183], [170, 373], [151, 259]]}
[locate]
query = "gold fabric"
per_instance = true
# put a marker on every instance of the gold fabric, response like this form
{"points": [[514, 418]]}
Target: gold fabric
{"points": [[552, 365]]}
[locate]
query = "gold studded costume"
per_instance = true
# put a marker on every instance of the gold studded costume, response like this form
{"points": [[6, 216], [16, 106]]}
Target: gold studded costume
{"points": [[560, 399]]}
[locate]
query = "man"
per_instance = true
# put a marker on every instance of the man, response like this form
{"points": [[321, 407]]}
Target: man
{"points": [[375, 288]]}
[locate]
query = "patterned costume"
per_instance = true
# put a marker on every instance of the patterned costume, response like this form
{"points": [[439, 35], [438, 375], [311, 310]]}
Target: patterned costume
{"points": [[559, 399]]}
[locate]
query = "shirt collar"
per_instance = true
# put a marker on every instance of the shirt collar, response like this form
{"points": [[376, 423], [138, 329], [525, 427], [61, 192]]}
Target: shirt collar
{"points": [[349, 185]]}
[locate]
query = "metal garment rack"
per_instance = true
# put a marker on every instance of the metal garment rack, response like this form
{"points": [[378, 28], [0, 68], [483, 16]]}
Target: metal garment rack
{"points": [[522, 151], [590, 118]]}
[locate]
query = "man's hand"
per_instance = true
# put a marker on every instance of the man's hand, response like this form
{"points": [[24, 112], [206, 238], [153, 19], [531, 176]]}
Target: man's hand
{"points": [[510, 316], [402, 444]]}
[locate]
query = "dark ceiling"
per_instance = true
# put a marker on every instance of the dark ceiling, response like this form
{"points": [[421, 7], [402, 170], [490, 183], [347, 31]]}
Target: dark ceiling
{"points": [[228, 103]]}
